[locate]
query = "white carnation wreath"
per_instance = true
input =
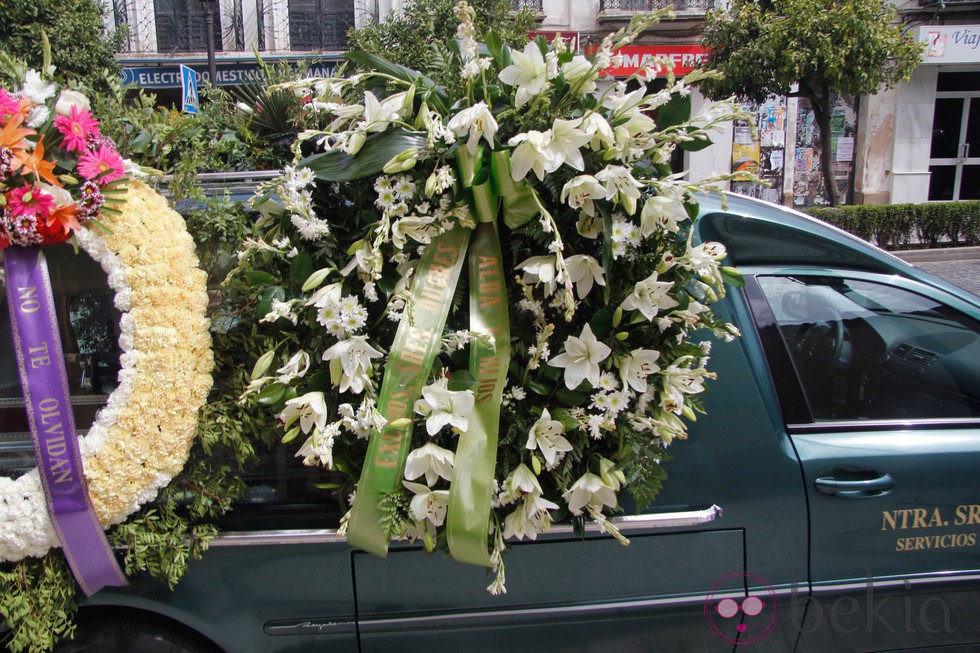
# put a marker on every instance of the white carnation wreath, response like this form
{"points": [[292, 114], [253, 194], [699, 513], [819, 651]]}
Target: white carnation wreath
{"points": [[142, 437]]}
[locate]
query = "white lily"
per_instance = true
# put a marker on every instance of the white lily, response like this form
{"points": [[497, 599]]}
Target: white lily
{"points": [[620, 185], [530, 518], [589, 490], [704, 259], [475, 122], [650, 297], [431, 460], [378, 115], [417, 227], [521, 481], [581, 358], [329, 294], [318, 448], [588, 226], [577, 70], [295, 367], [679, 381], [532, 152], [582, 191], [540, 269], [635, 368], [529, 72], [442, 406], [428, 504], [310, 409], [546, 436], [566, 139], [355, 356], [661, 213], [584, 271], [598, 129]]}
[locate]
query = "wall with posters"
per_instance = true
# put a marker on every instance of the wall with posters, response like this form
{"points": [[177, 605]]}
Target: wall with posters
{"points": [[808, 182], [762, 153]]}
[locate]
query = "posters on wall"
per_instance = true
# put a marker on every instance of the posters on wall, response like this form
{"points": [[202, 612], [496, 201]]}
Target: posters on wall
{"points": [[763, 153], [808, 183]]}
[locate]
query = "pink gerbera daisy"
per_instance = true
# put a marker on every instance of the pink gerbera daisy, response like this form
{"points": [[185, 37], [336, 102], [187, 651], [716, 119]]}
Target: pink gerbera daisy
{"points": [[29, 200], [76, 128], [9, 106], [102, 166]]}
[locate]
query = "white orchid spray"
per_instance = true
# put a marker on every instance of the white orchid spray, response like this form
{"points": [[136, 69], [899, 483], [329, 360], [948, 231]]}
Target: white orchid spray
{"points": [[603, 283]]}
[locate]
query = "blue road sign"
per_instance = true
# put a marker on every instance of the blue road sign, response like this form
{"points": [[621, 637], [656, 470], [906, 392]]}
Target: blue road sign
{"points": [[188, 86]]}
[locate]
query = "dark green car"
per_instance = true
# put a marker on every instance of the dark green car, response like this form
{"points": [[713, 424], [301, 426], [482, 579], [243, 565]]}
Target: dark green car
{"points": [[829, 500]]}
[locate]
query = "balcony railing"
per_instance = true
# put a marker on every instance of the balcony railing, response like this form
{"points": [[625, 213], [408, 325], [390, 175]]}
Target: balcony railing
{"points": [[680, 6], [533, 5]]}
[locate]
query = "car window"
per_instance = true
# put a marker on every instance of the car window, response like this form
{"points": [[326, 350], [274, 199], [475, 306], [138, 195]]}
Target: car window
{"points": [[88, 322], [278, 482], [868, 350]]}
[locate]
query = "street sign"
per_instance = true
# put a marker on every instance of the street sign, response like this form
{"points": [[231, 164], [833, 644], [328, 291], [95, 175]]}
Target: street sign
{"points": [[188, 90]]}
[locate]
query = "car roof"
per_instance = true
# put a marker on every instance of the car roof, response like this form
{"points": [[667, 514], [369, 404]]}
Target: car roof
{"points": [[756, 232]]}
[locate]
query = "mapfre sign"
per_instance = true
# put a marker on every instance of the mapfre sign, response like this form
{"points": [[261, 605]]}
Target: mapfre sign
{"points": [[684, 57]]}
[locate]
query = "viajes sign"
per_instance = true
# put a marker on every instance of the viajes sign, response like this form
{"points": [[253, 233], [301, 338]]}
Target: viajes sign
{"points": [[947, 44]]}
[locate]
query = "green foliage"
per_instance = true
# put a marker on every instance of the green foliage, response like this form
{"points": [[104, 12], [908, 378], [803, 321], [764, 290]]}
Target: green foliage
{"points": [[161, 541], [393, 511], [38, 604], [643, 466], [894, 225], [80, 48], [851, 48], [409, 39]]}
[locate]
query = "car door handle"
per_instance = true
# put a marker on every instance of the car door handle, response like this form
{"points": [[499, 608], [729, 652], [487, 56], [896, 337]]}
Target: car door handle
{"points": [[855, 489]]}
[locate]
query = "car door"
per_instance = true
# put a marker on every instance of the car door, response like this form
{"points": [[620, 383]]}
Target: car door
{"points": [[728, 525], [879, 381]]}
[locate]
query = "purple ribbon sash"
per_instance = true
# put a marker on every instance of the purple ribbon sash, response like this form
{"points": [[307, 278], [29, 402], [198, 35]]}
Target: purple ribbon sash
{"points": [[44, 382]]}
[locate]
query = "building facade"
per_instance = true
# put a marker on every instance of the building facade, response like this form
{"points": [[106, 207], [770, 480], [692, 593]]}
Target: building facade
{"points": [[915, 143]]}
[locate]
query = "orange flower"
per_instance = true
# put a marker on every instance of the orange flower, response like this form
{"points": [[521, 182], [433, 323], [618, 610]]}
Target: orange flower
{"points": [[34, 162], [12, 135], [66, 216]]}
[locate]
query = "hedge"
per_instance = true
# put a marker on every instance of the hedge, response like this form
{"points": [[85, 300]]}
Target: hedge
{"points": [[894, 226]]}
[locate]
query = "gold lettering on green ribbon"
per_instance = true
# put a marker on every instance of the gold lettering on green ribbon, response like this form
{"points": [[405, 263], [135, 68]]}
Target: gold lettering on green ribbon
{"points": [[411, 357], [470, 493]]}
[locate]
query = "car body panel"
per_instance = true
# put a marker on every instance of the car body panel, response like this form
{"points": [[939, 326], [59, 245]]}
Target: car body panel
{"points": [[776, 535]]}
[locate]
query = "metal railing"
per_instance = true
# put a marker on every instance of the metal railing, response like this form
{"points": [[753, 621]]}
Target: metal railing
{"points": [[680, 6], [533, 5]]}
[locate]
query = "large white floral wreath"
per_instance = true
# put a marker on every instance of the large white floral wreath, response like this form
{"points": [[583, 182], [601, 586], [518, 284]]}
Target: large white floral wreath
{"points": [[512, 178], [142, 437]]}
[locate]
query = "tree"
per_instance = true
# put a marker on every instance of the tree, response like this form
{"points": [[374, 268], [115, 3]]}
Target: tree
{"points": [[80, 48], [408, 39], [820, 47]]}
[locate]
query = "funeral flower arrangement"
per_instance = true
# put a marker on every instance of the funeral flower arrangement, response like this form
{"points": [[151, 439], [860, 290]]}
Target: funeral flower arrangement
{"points": [[483, 299], [60, 180]]}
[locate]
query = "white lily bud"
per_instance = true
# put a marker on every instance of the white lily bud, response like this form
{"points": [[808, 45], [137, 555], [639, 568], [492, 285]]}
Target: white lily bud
{"points": [[263, 364]]}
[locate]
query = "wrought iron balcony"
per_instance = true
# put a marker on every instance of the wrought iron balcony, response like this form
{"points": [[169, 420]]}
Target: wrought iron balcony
{"points": [[682, 7], [533, 5]]}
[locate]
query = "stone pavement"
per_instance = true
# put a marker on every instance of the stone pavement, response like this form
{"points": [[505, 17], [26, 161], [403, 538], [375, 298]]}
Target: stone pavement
{"points": [[957, 265]]}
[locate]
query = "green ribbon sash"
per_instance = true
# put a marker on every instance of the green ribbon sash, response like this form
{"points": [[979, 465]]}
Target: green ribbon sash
{"points": [[412, 354], [488, 184]]}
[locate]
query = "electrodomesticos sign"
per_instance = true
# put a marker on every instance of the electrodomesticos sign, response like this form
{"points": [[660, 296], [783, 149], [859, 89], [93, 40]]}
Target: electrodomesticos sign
{"points": [[684, 57]]}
